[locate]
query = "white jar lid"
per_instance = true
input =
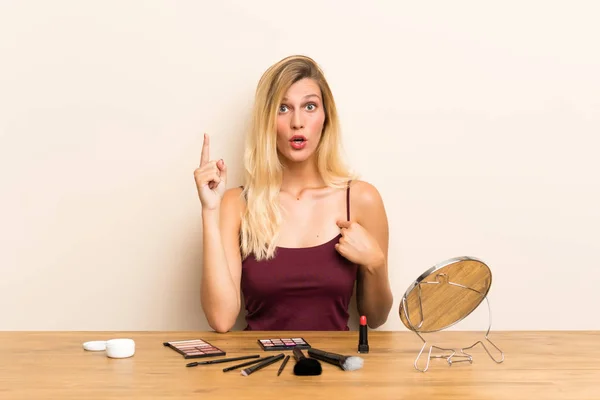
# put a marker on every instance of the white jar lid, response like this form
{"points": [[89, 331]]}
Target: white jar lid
{"points": [[96, 345]]}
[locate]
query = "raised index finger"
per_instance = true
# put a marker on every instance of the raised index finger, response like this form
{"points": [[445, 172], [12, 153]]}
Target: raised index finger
{"points": [[205, 157]]}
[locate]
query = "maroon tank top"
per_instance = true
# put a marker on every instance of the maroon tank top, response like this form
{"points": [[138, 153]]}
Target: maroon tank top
{"points": [[301, 289]]}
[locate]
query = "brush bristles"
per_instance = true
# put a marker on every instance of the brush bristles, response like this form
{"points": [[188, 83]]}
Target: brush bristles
{"points": [[307, 367], [352, 363]]}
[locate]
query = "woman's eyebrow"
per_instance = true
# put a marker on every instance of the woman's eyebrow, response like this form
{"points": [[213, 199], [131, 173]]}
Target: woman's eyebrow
{"points": [[305, 97]]}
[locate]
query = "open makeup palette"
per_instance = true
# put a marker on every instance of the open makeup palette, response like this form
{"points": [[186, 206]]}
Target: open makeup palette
{"points": [[279, 344], [195, 348]]}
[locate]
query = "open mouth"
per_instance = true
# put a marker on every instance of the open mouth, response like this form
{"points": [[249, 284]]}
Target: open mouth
{"points": [[298, 142], [298, 139]]}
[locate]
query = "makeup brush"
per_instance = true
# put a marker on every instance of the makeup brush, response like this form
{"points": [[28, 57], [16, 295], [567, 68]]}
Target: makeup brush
{"points": [[258, 360], [282, 366], [346, 363], [262, 364], [305, 366], [221, 360]]}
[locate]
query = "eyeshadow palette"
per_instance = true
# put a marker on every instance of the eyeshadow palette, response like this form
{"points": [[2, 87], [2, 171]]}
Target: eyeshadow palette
{"points": [[196, 348], [283, 344]]}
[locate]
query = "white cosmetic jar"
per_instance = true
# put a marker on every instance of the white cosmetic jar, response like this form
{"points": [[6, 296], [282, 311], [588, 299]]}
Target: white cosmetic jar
{"points": [[120, 348]]}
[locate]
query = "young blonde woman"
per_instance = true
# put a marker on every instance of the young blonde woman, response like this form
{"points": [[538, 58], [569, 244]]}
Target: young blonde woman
{"points": [[301, 233]]}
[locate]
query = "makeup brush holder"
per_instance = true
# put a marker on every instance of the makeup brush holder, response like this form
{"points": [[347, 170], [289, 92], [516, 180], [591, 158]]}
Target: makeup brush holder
{"points": [[441, 297]]}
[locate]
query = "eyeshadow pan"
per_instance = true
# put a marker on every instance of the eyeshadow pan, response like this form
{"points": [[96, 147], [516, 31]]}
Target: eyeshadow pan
{"points": [[283, 344], [195, 348]]}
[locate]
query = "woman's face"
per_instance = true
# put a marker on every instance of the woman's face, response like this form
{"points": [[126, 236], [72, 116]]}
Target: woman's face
{"points": [[300, 121]]}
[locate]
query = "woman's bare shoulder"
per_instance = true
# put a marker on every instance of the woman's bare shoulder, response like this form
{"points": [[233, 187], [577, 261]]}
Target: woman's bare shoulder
{"points": [[233, 199], [364, 194]]}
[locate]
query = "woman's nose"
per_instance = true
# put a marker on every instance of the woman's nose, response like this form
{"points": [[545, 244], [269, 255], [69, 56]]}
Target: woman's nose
{"points": [[297, 121]]}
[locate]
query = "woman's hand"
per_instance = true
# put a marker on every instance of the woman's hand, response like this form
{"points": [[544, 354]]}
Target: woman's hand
{"points": [[211, 179], [359, 246]]}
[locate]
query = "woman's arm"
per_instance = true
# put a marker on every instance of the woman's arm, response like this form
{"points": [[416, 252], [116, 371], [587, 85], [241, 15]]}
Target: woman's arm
{"points": [[222, 264], [373, 293]]}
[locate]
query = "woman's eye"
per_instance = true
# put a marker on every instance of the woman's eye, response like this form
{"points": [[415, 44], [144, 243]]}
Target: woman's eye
{"points": [[311, 107], [283, 108]]}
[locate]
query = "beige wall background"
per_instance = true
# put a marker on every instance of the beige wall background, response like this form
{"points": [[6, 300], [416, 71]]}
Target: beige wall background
{"points": [[479, 122]]}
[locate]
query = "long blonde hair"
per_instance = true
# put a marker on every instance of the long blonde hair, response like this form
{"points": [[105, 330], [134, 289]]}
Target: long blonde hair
{"points": [[263, 168]]}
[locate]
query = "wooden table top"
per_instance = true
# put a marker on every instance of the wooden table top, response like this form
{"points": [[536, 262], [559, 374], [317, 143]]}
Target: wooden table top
{"points": [[540, 365]]}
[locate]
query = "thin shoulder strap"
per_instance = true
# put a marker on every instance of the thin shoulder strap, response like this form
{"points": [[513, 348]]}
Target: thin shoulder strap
{"points": [[348, 201]]}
